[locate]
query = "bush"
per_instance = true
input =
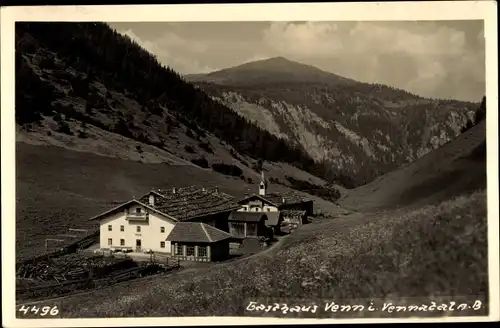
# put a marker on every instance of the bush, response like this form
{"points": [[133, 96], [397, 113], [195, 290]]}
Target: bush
{"points": [[206, 147], [226, 169], [63, 127], [201, 162], [189, 149]]}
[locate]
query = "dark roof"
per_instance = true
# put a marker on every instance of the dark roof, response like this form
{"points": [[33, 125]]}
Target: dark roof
{"points": [[198, 232], [276, 198], [191, 202], [133, 201], [247, 216]]}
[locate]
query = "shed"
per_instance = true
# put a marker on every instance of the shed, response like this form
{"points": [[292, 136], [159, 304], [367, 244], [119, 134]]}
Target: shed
{"points": [[248, 224], [198, 241]]}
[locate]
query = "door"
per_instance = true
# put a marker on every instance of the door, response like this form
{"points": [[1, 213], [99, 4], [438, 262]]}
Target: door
{"points": [[138, 245]]}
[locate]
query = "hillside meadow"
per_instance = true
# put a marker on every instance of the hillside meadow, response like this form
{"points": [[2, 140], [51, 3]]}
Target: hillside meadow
{"points": [[434, 251], [57, 189]]}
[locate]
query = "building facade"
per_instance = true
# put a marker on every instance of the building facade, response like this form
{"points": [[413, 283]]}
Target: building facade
{"points": [[135, 226], [279, 207], [197, 241], [144, 224], [248, 225]]}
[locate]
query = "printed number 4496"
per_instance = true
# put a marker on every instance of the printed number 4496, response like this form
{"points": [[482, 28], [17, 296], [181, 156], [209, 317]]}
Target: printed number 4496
{"points": [[46, 310]]}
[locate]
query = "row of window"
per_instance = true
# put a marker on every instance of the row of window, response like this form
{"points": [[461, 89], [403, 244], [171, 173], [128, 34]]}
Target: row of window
{"points": [[190, 251], [138, 242], [138, 228], [256, 209]]}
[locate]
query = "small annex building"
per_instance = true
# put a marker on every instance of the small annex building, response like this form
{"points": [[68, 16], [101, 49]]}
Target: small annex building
{"points": [[146, 222], [198, 241], [248, 225], [280, 207]]}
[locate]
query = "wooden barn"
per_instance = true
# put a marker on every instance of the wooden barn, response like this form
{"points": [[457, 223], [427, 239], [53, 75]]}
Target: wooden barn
{"points": [[248, 225], [197, 241]]}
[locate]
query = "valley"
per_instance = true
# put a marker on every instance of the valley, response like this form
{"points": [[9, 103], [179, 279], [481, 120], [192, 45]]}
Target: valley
{"points": [[398, 181]]}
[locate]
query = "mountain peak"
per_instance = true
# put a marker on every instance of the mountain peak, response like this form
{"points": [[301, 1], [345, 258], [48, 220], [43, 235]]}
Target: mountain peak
{"points": [[271, 70]]}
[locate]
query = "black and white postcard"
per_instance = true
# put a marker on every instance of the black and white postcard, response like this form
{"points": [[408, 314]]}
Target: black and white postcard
{"points": [[240, 164]]}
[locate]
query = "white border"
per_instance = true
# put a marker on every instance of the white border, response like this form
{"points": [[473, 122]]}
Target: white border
{"points": [[435, 10]]}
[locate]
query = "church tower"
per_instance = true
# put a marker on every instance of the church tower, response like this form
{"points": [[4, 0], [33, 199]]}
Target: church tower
{"points": [[262, 185]]}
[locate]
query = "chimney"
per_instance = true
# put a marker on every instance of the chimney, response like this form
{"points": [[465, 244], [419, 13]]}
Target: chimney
{"points": [[174, 190], [203, 189], [216, 189], [152, 199], [283, 200]]}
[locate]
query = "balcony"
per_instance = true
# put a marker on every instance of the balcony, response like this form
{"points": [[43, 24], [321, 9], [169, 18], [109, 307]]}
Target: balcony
{"points": [[141, 216]]}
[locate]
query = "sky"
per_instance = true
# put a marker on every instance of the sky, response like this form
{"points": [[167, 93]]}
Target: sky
{"points": [[438, 59]]}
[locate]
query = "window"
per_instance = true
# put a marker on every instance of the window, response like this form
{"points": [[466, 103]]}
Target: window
{"points": [[202, 251], [138, 210], [122, 242], [162, 229], [122, 228], [138, 229], [110, 228], [268, 209], [179, 250], [238, 229], [110, 241], [190, 251], [162, 244], [244, 208]]}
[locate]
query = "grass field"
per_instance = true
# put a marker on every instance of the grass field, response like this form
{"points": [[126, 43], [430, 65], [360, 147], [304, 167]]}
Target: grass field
{"points": [[57, 189], [437, 250]]}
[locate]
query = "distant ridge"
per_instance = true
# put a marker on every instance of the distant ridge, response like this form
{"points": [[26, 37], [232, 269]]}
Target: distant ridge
{"points": [[358, 130], [271, 70]]}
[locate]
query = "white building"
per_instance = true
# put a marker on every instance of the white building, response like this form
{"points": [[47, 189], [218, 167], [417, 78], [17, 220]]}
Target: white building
{"points": [[146, 223], [289, 207]]}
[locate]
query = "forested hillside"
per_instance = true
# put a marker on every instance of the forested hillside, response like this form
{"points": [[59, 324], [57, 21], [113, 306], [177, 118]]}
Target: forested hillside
{"points": [[361, 130], [89, 74]]}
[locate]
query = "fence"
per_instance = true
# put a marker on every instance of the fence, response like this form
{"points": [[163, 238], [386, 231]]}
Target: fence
{"points": [[68, 249], [93, 282]]}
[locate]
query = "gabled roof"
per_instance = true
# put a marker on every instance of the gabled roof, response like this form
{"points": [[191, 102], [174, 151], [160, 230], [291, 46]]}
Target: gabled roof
{"points": [[126, 204], [198, 232], [247, 216], [276, 198], [191, 202]]}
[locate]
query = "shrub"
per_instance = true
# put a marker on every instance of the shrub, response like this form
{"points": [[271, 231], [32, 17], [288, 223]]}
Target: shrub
{"points": [[227, 169], [206, 147], [189, 149], [201, 162], [63, 127]]}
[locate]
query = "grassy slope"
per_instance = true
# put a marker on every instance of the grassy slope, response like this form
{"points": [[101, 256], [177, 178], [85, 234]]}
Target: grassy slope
{"points": [[433, 251], [418, 251], [457, 167], [59, 189]]}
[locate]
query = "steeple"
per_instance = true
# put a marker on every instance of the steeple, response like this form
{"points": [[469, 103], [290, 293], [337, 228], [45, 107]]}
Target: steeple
{"points": [[263, 184]]}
